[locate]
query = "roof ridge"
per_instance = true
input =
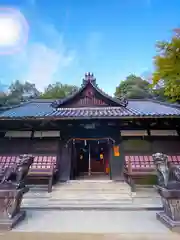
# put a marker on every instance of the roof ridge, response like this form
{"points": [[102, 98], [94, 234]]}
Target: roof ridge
{"points": [[91, 108]]}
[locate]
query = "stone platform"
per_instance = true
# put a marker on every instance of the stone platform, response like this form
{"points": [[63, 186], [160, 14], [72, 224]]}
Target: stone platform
{"points": [[54, 222], [74, 224], [82, 194]]}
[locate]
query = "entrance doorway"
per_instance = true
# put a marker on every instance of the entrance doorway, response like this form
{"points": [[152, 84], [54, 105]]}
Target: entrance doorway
{"points": [[90, 159]]}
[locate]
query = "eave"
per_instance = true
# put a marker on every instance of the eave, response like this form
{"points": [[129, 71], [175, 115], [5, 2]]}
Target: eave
{"points": [[88, 118]]}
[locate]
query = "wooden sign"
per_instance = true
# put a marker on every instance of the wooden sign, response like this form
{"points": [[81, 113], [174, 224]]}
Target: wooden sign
{"points": [[116, 151]]}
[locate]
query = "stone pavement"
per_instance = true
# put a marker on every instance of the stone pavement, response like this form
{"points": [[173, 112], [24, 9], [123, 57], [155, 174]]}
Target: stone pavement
{"points": [[86, 236], [90, 224], [87, 224]]}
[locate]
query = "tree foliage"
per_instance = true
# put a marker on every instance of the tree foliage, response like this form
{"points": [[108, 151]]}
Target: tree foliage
{"points": [[167, 66], [133, 87], [23, 90], [18, 92], [3, 99], [58, 90]]}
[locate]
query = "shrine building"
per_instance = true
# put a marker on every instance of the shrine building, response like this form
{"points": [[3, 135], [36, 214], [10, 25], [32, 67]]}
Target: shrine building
{"points": [[90, 133]]}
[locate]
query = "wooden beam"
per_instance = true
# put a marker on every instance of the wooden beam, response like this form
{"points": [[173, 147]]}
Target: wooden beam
{"points": [[163, 133], [134, 133]]}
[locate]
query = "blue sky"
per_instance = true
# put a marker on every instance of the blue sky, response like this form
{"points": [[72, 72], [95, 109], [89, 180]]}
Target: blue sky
{"points": [[111, 38]]}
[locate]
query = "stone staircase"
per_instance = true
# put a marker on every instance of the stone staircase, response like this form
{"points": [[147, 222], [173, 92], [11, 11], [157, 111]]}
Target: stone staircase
{"points": [[82, 194]]}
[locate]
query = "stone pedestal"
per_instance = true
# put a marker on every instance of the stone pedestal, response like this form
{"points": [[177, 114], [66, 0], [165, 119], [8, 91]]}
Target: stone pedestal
{"points": [[8, 223], [171, 204], [10, 201], [168, 222]]}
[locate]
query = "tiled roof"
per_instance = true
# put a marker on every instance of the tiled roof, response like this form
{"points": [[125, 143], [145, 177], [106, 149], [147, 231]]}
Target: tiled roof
{"points": [[139, 108], [30, 109], [155, 108], [96, 112]]}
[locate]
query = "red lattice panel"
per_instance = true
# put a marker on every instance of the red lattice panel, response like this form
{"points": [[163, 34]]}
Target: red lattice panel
{"points": [[39, 161], [145, 163]]}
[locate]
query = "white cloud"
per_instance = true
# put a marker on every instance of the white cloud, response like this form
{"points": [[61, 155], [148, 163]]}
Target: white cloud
{"points": [[41, 61]]}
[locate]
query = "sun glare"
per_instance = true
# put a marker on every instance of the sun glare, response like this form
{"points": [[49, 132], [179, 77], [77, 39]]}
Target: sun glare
{"points": [[9, 31], [13, 30]]}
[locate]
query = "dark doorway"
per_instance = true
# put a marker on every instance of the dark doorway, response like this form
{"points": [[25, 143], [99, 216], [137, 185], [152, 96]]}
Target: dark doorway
{"points": [[90, 158]]}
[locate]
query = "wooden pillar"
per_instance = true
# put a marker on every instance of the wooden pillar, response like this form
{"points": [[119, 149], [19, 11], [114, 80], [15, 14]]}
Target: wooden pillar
{"points": [[74, 172], [59, 155], [65, 162], [117, 160]]}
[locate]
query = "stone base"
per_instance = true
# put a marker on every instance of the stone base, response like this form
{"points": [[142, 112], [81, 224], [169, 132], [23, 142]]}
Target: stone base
{"points": [[168, 222], [8, 224]]}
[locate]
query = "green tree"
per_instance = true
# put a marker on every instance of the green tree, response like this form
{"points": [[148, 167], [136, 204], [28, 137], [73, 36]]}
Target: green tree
{"points": [[19, 92], [3, 99], [23, 90], [133, 87], [167, 66], [58, 90]]}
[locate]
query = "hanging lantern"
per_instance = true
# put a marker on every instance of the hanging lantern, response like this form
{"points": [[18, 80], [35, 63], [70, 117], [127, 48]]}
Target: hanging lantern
{"points": [[101, 156]]}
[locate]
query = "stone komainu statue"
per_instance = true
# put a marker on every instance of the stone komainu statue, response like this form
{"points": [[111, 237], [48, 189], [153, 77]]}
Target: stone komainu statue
{"points": [[11, 193], [166, 171], [168, 188], [20, 170]]}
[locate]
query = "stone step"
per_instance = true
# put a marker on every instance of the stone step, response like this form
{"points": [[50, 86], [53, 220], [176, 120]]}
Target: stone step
{"points": [[77, 201], [86, 186], [82, 197], [94, 184], [92, 189], [92, 200], [95, 198], [81, 194], [92, 194], [89, 202], [76, 206]]}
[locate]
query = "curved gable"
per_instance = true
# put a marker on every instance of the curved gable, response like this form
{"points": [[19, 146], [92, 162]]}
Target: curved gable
{"points": [[89, 95]]}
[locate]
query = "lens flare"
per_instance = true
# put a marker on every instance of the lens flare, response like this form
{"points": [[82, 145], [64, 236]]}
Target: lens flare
{"points": [[13, 31]]}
